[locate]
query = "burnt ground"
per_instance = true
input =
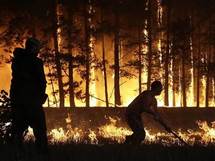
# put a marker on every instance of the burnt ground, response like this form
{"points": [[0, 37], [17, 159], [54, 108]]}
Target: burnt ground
{"points": [[115, 152]]}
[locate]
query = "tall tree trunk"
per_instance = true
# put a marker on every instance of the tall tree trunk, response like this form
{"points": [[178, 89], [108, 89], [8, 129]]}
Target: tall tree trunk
{"points": [[213, 78], [213, 60], [183, 83], [195, 59], [198, 70], [208, 60], [175, 77], [149, 26], [71, 85], [104, 62], [105, 71], [52, 87], [71, 77], [173, 84], [193, 51], [57, 55], [207, 84], [166, 67], [140, 57], [116, 61], [207, 87], [87, 52]]}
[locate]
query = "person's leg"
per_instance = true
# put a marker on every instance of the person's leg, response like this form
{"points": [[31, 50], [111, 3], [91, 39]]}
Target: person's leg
{"points": [[19, 125], [38, 123], [139, 136], [135, 123]]}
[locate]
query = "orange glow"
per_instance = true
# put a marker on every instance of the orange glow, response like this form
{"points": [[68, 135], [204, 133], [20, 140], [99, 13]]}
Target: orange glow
{"points": [[128, 87], [114, 133], [93, 101]]}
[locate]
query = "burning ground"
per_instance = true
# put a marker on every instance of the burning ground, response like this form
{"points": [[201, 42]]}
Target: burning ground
{"points": [[106, 143], [113, 133], [90, 135], [102, 125]]}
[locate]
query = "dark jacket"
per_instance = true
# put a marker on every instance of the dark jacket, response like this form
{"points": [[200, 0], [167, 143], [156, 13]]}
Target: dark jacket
{"points": [[28, 82]]}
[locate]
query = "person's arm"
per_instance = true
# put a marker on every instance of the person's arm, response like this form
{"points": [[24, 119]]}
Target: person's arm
{"points": [[157, 116], [41, 80], [154, 110]]}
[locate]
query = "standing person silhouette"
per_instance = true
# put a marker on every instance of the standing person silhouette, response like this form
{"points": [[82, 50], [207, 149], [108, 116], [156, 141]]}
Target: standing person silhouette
{"points": [[27, 93], [145, 102]]}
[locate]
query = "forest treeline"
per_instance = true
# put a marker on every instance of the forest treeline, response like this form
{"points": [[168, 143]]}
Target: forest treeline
{"points": [[169, 40]]}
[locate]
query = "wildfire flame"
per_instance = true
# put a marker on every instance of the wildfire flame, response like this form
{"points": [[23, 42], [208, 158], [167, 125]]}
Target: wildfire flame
{"points": [[114, 133]]}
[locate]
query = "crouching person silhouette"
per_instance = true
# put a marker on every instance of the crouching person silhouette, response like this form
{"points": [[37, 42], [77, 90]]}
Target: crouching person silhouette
{"points": [[145, 102], [27, 94]]}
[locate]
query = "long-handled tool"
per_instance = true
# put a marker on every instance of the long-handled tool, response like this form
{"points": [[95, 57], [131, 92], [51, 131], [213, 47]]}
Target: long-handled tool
{"points": [[171, 131]]}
